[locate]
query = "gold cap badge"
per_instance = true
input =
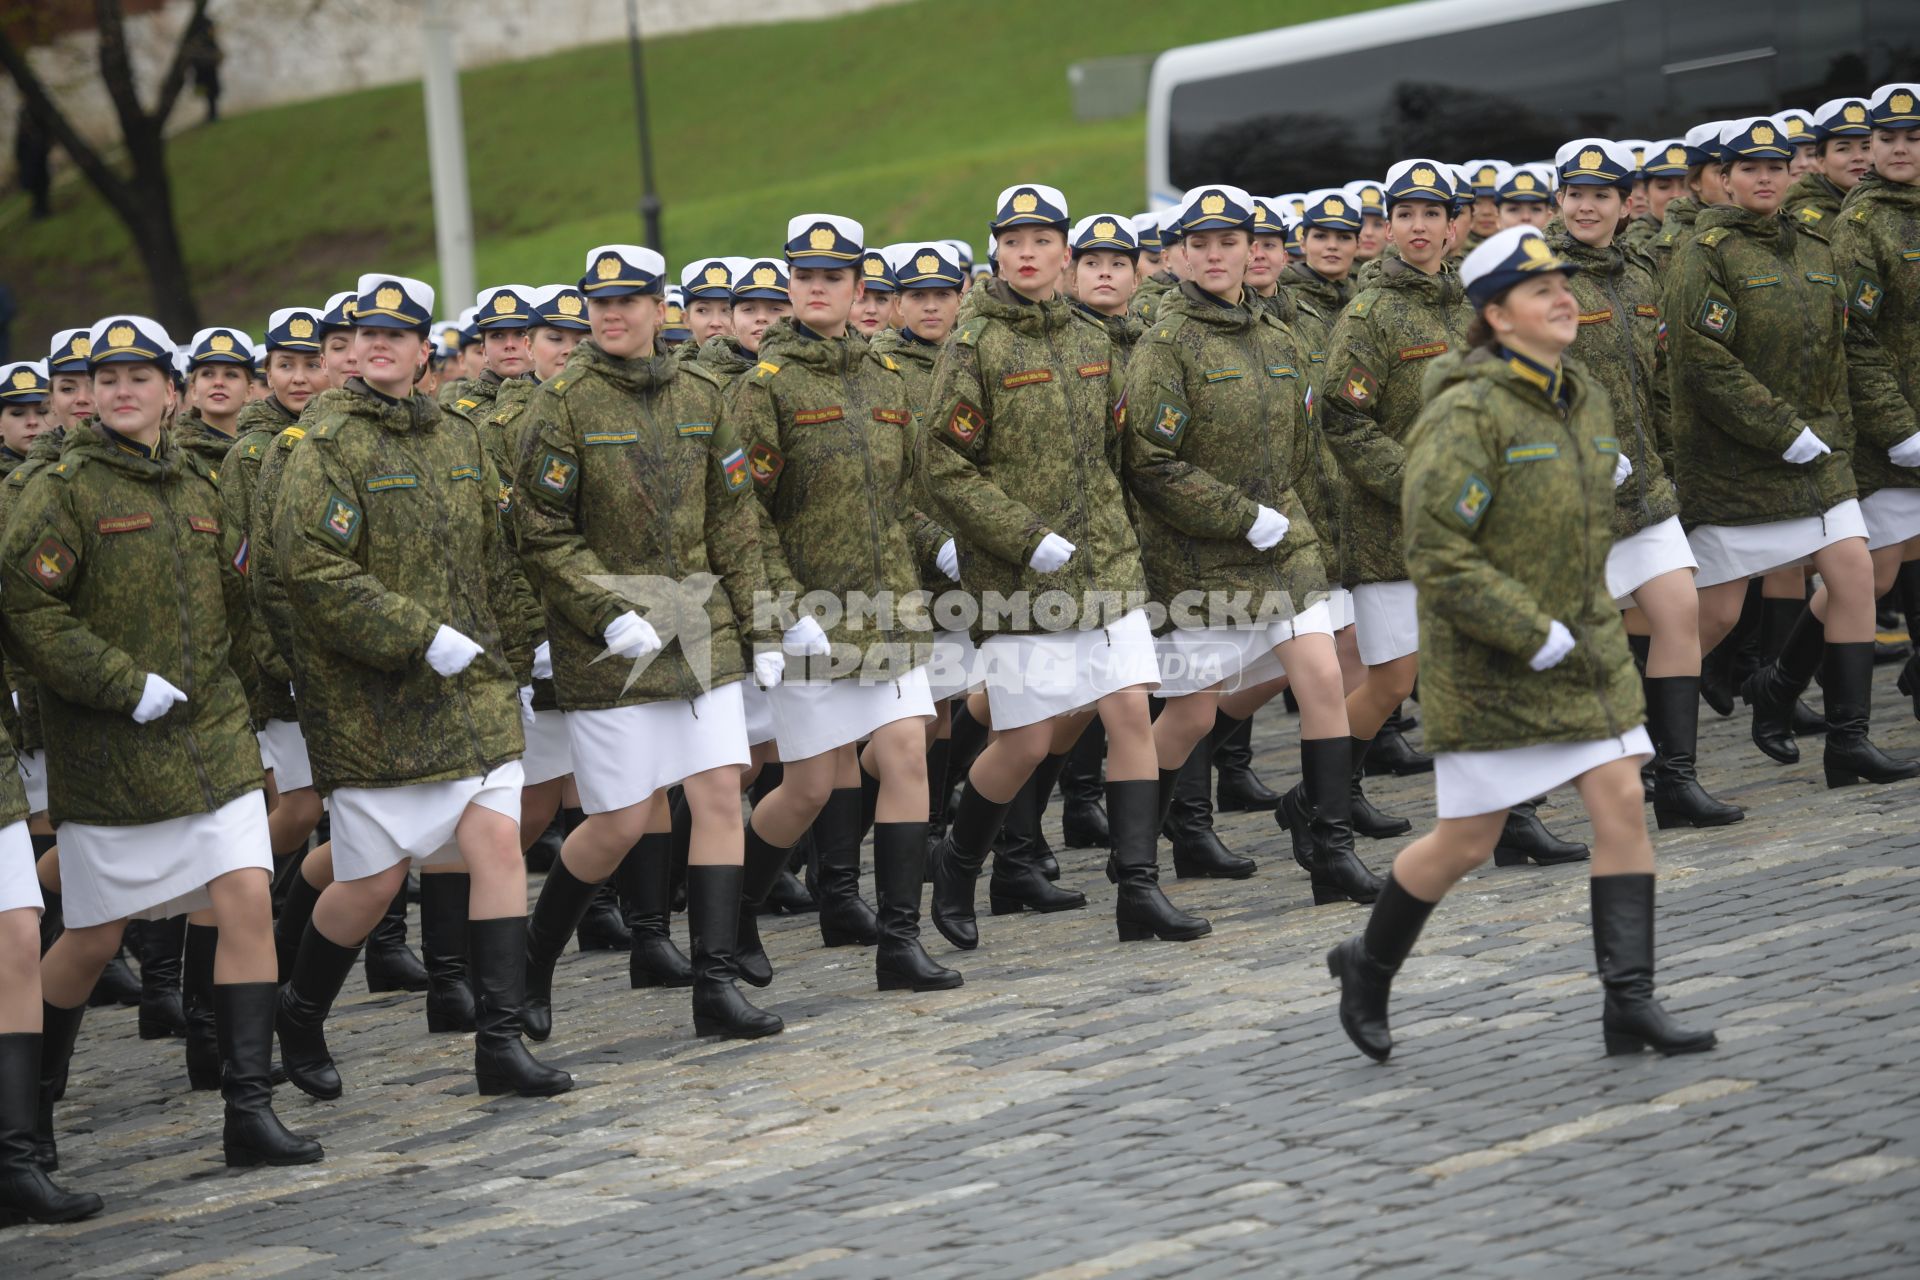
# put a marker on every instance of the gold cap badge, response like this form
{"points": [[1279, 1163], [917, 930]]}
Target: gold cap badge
{"points": [[820, 238], [1487, 175], [607, 268], [220, 342], [873, 266], [569, 304], [716, 275], [120, 337], [1334, 207], [388, 298], [1213, 204], [1025, 202], [1535, 250], [1795, 126], [1901, 102], [1855, 114], [1676, 155], [1523, 182], [23, 379], [299, 327], [926, 264], [502, 303], [1423, 177], [1104, 229], [1591, 158], [83, 346], [764, 276], [1762, 135]]}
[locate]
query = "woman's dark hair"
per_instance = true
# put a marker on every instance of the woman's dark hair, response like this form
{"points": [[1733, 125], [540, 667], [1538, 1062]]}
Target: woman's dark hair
{"points": [[1480, 333]]}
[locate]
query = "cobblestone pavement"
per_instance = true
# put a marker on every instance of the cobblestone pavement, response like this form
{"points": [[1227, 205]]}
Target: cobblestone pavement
{"points": [[1083, 1108]]}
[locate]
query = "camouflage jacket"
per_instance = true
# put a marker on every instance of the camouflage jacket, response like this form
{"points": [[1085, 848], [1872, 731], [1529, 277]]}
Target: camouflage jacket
{"points": [[203, 440], [629, 472], [1145, 303], [1618, 346], [1366, 275], [1123, 331], [1219, 429], [13, 792], [259, 423], [1309, 304], [834, 458], [1754, 313], [1025, 411], [1675, 230], [1376, 357], [1876, 253], [723, 356], [1813, 199], [9, 714], [1638, 233], [476, 400], [117, 564], [504, 432], [914, 359], [1508, 506], [25, 701], [387, 527]]}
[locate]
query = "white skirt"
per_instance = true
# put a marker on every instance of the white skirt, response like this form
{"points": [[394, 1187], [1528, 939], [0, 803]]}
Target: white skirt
{"points": [[549, 753], [33, 776], [758, 709], [1892, 516], [810, 717], [159, 869], [1730, 551], [1466, 783], [951, 669], [1386, 621], [1030, 678], [622, 755], [283, 749], [1641, 557], [376, 827], [1233, 657], [19, 883], [1340, 608]]}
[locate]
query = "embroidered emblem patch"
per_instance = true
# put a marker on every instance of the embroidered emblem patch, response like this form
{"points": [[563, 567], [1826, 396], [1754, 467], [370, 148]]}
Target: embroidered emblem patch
{"points": [[1359, 388], [342, 519], [734, 469], [203, 524], [1026, 377], [400, 480], [812, 417], [693, 428], [1094, 370], [1424, 351], [1169, 422], [1821, 277], [123, 524], [1716, 317], [1532, 452], [898, 417], [558, 474], [766, 463], [965, 423], [1475, 494], [1282, 371], [464, 473], [1866, 298], [504, 499], [50, 561]]}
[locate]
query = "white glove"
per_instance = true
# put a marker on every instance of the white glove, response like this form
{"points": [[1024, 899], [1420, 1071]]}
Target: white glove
{"points": [[1622, 468], [526, 704], [543, 661], [1805, 448], [1559, 644], [1052, 554], [769, 665], [1269, 526], [158, 698], [631, 636], [1907, 452], [451, 653], [947, 560], [806, 639]]}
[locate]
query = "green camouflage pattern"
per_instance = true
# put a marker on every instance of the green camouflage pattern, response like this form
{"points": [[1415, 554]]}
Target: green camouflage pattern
{"points": [[25, 702], [117, 564], [1377, 354], [1754, 312], [629, 470], [1144, 306], [1508, 508], [1876, 253], [723, 356], [9, 713], [1639, 232], [1309, 304], [1814, 200], [1618, 345], [1675, 230], [1366, 275], [259, 422], [1219, 429], [1025, 410], [914, 360], [476, 399], [833, 454], [203, 440], [1123, 331], [386, 526]]}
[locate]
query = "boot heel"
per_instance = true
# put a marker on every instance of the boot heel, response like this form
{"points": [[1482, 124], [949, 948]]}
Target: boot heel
{"points": [[1621, 1043], [442, 1023], [1326, 892], [1508, 857], [1005, 906], [241, 1157], [892, 981], [1667, 820], [492, 1086], [1133, 930], [1840, 777], [839, 938]]}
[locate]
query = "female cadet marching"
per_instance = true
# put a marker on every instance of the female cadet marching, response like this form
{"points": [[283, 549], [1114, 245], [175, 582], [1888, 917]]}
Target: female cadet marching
{"points": [[26, 1193], [1023, 444], [1755, 314], [1377, 357], [1873, 252], [628, 492], [1218, 448], [1842, 153], [1649, 567], [873, 309], [387, 529], [1527, 681], [834, 457], [1661, 177], [124, 597]]}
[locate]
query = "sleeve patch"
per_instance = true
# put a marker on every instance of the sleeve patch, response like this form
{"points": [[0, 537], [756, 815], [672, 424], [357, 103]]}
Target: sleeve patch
{"points": [[1866, 298], [123, 524], [693, 428], [814, 417], [203, 524], [1602, 316], [898, 417], [1716, 317], [965, 422], [241, 558], [50, 561], [1282, 371], [342, 520], [503, 500], [1424, 351], [1811, 215], [1169, 422], [766, 463], [1223, 375], [1606, 444], [1359, 388], [1910, 255], [1760, 282], [1027, 377], [610, 437], [557, 474], [1475, 494], [399, 480], [1532, 452], [464, 473], [1821, 277], [1646, 311], [734, 468], [1094, 370]]}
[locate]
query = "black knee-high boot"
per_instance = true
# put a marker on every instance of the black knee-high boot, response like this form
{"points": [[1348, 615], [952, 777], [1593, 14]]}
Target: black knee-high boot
{"points": [[1774, 689], [1318, 814], [763, 865], [291, 924], [158, 945], [1850, 755], [899, 873], [563, 900], [845, 918], [59, 1028], [196, 989], [1020, 862], [1368, 820], [1777, 618], [1188, 826], [1238, 789], [1720, 667], [26, 1193], [957, 863], [443, 945], [1623, 945], [1391, 753], [646, 882], [320, 969], [1907, 588], [391, 964], [1141, 910], [1364, 966], [253, 1134], [786, 894], [937, 794], [1673, 720], [501, 1061], [713, 918], [1083, 792]]}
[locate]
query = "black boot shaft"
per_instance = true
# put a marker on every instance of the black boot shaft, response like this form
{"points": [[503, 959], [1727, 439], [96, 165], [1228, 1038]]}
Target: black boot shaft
{"points": [[391, 964], [1368, 820], [501, 1063], [1141, 910], [1020, 881], [196, 990], [899, 874], [1525, 839], [320, 969], [1322, 823], [253, 1135], [556, 914], [1850, 756], [1673, 722], [1230, 747], [26, 1193], [1364, 966], [443, 948], [158, 946], [1197, 849], [1623, 951], [845, 918], [645, 881], [713, 920]]}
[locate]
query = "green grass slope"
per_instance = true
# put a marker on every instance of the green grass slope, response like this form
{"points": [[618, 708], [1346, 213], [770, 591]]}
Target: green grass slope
{"points": [[908, 118]]}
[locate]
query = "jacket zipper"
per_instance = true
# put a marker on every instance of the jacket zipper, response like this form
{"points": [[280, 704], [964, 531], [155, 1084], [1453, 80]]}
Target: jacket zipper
{"points": [[1785, 251], [1079, 463], [646, 404], [1623, 325], [1259, 371], [857, 427], [443, 525], [1582, 630], [186, 643]]}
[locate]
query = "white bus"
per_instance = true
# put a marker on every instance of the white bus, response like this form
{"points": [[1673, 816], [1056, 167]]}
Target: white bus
{"points": [[1326, 102]]}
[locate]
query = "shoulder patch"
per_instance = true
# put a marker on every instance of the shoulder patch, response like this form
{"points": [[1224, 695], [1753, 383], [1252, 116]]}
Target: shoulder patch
{"points": [[1713, 236], [1360, 306], [342, 520], [1169, 422], [1866, 297], [969, 333], [887, 360], [1716, 317], [558, 474], [50, 561], [1359, 387], [965, 422], [764, 462], [733, 470], [1809, 214], [764, 370], [466, 404], [1471, 502]]}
